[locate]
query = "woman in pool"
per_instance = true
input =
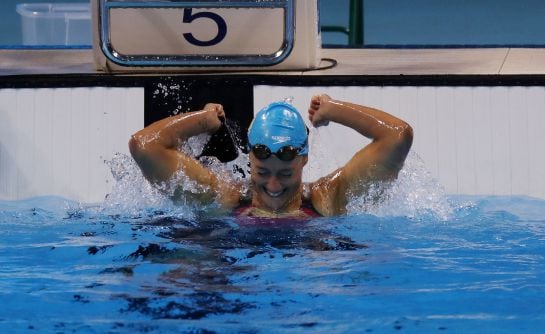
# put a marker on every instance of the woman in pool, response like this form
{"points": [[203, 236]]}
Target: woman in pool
{"points": [[278, 152]]}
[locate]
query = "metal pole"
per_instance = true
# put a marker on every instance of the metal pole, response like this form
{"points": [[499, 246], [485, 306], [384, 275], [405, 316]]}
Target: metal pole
{"points": [[355, 22]]}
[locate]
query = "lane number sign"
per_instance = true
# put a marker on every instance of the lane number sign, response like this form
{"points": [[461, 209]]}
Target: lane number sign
{"points": [[197, 31], [189, 17]]}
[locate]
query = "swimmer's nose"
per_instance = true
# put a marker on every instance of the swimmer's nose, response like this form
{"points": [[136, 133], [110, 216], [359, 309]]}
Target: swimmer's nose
{"points": [[273, 185]]}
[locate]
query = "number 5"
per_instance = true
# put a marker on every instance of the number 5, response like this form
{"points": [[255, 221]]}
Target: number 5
{"points": [[220, 22]]}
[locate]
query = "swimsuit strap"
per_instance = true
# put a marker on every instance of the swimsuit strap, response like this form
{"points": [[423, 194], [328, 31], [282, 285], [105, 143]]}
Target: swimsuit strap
{"points": [[242, 209], [309, 209]]}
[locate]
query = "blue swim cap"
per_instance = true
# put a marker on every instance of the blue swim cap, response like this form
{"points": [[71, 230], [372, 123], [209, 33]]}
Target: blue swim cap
{"points": [[277, 125]]}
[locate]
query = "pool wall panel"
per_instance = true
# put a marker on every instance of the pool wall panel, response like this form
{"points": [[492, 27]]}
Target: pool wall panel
{"points": [[536, 133], [475, 139], [54, 141]]}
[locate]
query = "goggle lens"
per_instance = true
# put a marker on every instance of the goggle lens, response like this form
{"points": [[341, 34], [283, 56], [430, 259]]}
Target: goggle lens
{"points": [[286, 153]]}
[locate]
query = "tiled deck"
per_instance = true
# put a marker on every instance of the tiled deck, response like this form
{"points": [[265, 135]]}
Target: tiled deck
{"points": [[488, 61]]}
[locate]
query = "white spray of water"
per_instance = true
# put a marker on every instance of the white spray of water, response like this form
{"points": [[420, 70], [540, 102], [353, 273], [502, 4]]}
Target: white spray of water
{"points": [[414, 193], [133, 195], [321, 160], [232, 171], [289, 99]]}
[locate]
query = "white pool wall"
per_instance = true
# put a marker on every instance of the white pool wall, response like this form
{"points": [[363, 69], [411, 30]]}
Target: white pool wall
{"points": [[53, 141], [473, 140]]}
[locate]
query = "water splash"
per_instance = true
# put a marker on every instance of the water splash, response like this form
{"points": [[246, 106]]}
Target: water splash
{"points": [[172, 90], [289, 99], [133, 195], [415, 193], [194, 145], [236, 170], [321, 161]]}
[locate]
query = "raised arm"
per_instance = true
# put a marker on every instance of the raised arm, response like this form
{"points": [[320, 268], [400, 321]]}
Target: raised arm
{"points": [[155, 150], [381, 160]]}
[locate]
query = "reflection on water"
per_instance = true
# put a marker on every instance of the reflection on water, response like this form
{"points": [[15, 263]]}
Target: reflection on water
{"points": [[203, 264], [65, 267]]}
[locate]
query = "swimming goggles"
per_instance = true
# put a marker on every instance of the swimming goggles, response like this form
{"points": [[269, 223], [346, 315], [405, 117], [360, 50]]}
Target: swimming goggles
{"points": [[285, 153]]}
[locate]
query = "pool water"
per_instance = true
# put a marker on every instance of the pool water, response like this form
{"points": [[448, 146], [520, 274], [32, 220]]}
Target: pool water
{"points": [[444, 264]]}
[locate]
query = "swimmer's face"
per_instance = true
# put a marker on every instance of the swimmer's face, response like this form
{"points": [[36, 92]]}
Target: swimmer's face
{"points": [[276, 182]]}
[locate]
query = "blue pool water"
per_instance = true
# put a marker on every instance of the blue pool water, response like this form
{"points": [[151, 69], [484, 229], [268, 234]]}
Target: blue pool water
{"points": [[440, 264]]}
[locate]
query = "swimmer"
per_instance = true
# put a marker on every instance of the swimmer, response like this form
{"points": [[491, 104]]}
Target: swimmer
{"points": [[278, 140]]}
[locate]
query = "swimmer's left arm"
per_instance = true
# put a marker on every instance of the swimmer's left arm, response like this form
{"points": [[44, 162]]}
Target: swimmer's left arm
{"points": [[379, 161]]}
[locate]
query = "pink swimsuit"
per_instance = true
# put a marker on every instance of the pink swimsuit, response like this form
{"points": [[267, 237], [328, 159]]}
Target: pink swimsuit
{"points": [[245, 215]]}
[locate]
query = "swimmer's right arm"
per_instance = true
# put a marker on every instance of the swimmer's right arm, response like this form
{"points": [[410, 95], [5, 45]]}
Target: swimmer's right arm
{"points": [[155, 150]]}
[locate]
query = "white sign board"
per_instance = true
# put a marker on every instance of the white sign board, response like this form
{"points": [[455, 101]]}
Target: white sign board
{"points": [[230, 31]]}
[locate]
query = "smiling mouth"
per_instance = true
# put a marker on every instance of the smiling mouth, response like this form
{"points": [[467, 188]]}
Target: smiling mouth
{"points": [[275, 194]]}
